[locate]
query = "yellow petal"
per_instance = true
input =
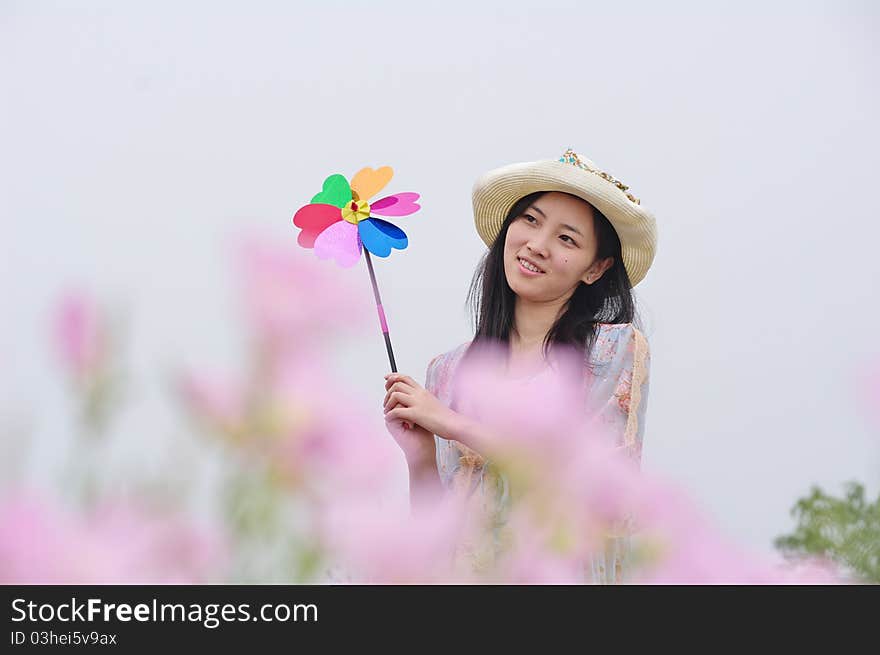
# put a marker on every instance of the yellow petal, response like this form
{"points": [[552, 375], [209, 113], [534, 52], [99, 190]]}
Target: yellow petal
{"points": [[368, 182]]}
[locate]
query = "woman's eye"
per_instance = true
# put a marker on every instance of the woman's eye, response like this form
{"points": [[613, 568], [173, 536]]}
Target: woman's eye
{"points": [[532, 220]]}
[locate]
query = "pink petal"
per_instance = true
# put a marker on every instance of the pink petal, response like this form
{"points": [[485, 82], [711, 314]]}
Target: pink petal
{"points": [[341, 243], [400, 204]]}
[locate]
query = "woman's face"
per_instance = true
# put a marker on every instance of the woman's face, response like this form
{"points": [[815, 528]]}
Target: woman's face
{"points": [[555, 234]]}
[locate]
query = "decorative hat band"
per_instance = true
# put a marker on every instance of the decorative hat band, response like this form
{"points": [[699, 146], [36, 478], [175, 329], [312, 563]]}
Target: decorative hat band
{"points": [[571, 157]]}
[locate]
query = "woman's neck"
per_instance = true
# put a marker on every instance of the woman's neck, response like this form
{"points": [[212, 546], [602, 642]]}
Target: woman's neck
{"points": [[531, 323]]}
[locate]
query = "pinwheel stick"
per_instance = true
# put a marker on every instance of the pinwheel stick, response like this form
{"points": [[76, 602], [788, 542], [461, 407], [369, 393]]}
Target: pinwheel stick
{"points": [[382, 322]]}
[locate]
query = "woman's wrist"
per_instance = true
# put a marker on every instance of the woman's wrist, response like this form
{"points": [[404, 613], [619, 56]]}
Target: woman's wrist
{"points": [[420, 461], [460, 428], [454, 427], [468, 432]]}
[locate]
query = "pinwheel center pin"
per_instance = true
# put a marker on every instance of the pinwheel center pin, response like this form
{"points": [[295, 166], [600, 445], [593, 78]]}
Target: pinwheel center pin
{"points": [[356, 211]]}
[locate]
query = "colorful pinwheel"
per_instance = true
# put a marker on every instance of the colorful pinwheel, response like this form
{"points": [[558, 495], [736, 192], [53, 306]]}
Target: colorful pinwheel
{"points": [[338, 225], [338, 222]]}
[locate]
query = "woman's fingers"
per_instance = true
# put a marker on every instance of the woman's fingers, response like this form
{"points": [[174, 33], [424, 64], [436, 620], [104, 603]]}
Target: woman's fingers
{"points": [[394, 399], [391, 383], [402, 413], [398, 377], [396, 414], [397, 386]]}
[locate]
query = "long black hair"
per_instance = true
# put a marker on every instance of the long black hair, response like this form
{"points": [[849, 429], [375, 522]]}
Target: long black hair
{"points": [[607, 300]]}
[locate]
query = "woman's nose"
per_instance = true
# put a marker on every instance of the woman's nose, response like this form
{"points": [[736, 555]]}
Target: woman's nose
{"points": [[537, 246], [538, 241]]}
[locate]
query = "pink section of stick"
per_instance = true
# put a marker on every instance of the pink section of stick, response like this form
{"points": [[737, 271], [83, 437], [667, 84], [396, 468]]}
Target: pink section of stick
{"points": [[382, 318]]}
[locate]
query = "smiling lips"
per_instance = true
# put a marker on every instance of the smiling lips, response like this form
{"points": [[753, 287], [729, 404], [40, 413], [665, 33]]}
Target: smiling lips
{"points": [[529, 266]]}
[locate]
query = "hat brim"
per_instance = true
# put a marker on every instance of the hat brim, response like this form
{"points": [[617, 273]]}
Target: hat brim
{"points": [[495, 193]]}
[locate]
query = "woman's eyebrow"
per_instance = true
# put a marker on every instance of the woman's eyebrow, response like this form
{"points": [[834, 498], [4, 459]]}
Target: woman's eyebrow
{"points": [[538, 209], [571, 228]]}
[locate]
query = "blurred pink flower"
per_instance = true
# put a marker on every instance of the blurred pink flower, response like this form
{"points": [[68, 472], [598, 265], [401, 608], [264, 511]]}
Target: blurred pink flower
{"points": [[303, 424], [812, 570], [680, 546], [291, 299], [323, 432], [80, 334], [704, 557], [541, 553], [157, 547], [389, 544], [121, 543], [540, 437], [286, 409], [218, 403], [577, 486], [541, 413]]}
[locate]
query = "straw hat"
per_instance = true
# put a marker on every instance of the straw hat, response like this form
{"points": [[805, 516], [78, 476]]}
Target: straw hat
{"points": [[496, 192]]}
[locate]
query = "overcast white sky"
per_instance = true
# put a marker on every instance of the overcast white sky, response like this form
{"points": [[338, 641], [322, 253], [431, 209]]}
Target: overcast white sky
{"points": [[137, 137]]}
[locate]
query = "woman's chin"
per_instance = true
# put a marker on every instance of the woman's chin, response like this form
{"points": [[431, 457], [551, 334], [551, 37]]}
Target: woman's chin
{"points": [[526, 294]]}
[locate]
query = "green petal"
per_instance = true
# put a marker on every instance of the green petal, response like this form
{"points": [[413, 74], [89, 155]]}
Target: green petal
{"points": [[336, 192]]}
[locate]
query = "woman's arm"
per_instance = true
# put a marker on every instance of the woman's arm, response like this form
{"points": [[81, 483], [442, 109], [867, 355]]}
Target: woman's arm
{"points": [[472, 439], [470, 433], [407, 402], [424, 480]]}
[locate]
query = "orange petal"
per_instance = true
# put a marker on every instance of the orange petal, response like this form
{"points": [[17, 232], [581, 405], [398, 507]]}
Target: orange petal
{"points": [[368, 182]]}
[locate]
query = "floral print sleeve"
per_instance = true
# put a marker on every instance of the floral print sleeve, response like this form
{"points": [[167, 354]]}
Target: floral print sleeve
{"points": [[618, 395], [432, 383], [438, 379], [618, 386]]}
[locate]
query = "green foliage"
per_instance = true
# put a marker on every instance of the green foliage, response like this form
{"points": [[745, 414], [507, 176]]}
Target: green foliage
{"points": [[845, 530], [268, 527]]}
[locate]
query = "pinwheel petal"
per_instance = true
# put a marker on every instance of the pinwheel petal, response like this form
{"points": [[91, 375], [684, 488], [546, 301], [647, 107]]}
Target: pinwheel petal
{"points": [[368, 182], [340, 243], [314, 219], [379, 236], [336, 192], [400, 204]]}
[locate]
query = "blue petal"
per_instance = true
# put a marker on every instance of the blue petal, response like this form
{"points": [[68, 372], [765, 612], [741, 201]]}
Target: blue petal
{"points": [[379, 236]]}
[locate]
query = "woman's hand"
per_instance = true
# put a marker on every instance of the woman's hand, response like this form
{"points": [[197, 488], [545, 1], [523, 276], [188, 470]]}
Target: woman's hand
{"points": [[408, 401], [415, 441], [419, 449]]}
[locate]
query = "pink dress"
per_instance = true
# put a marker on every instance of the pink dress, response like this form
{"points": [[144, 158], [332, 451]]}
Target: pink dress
{"points": [[617, 396]]}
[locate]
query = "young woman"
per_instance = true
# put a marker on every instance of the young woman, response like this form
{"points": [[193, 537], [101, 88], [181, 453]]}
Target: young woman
{"points": [[567, 243]]}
